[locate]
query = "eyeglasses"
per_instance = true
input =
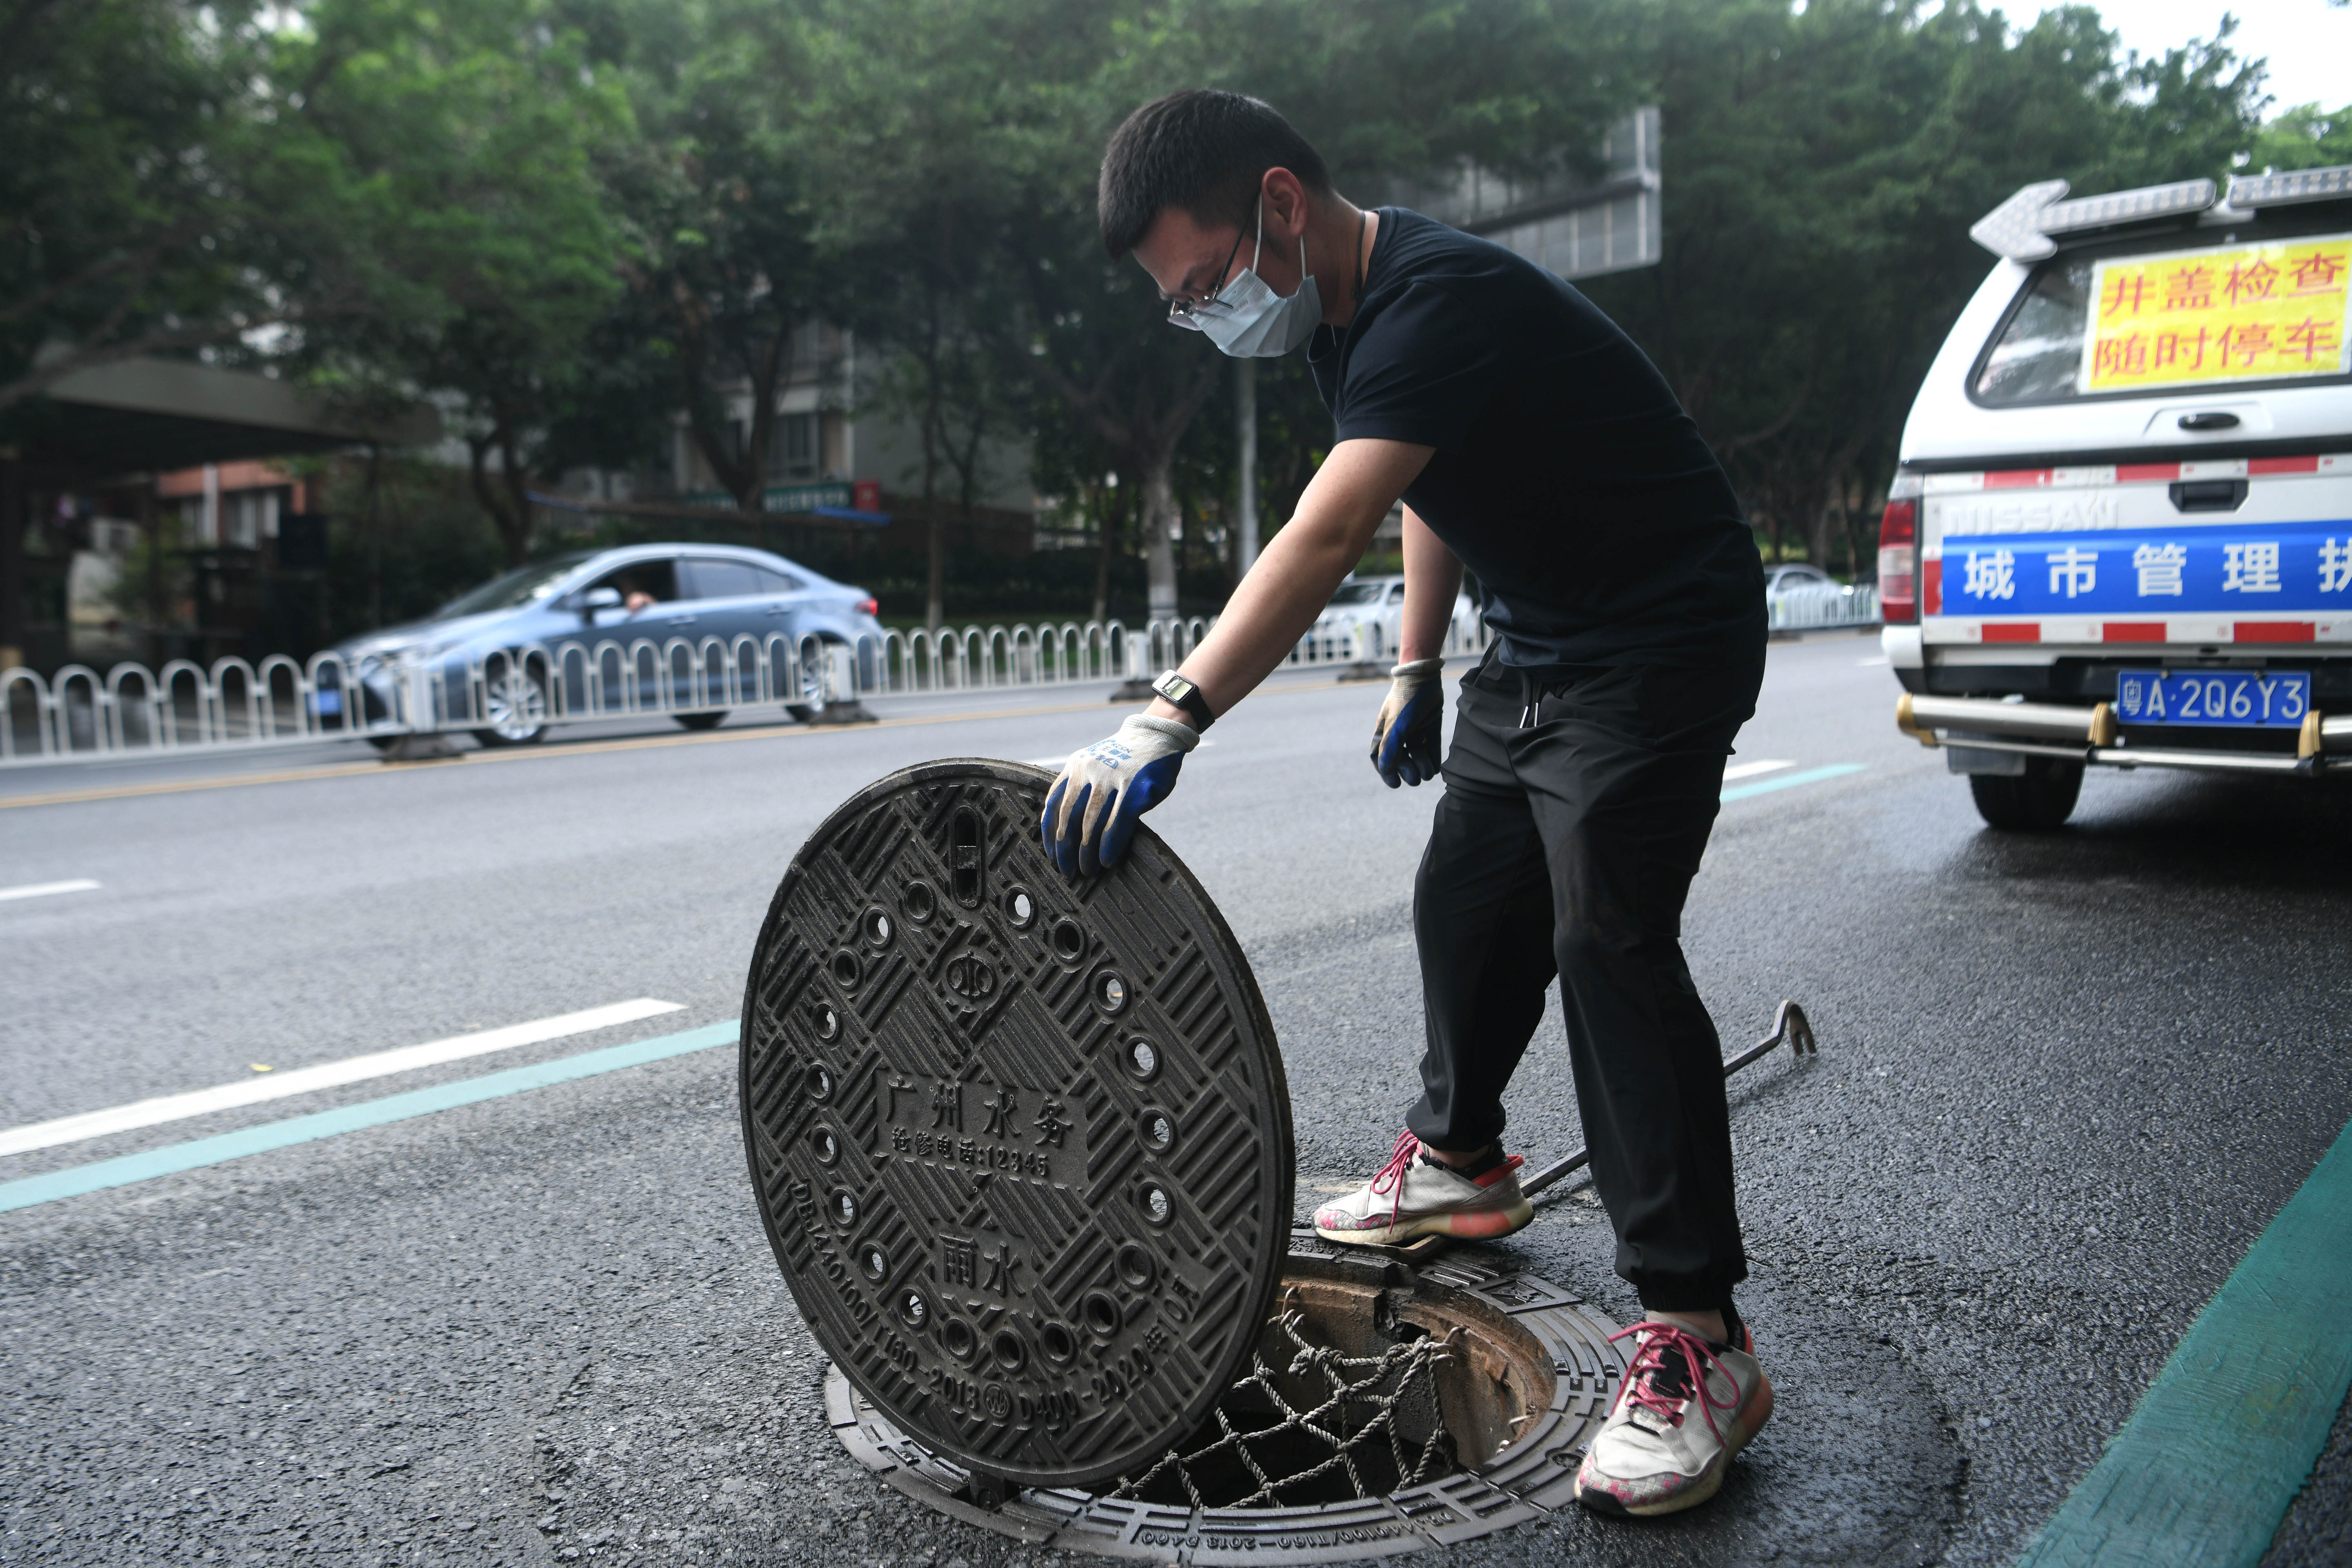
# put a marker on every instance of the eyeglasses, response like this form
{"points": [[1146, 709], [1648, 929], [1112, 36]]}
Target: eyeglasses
{"points": [[1183, 312]]}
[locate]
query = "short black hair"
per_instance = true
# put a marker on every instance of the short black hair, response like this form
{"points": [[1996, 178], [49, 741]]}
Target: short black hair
{"points": [[1200, 149]]}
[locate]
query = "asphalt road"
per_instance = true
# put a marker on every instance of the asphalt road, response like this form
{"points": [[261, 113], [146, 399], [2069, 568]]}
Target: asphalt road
{"points": [[2063, 1084]]}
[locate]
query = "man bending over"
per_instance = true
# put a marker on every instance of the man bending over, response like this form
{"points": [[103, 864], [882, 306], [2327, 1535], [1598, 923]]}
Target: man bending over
{"points": [[1532, 442]]}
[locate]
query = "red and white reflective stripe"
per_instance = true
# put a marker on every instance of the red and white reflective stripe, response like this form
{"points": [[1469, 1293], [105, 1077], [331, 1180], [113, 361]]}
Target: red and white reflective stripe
{"points": [[2185, 630], [2139, 473]]}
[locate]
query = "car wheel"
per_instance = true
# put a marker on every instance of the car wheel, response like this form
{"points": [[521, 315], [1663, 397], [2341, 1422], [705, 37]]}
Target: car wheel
{"points": [[2037, 801], [811, 701], [516, 705], [697, 720]]}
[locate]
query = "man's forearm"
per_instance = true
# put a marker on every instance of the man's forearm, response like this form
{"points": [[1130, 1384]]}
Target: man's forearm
{"points": [[1433, 579], [1295, 576]]}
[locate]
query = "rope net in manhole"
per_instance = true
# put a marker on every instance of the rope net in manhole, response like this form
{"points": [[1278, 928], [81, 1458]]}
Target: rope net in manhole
{"points": [[1354, 1436]]}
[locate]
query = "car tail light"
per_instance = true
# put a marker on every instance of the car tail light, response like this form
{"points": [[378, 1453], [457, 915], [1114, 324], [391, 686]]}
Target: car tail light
{"points": [[1898, 563], [870, 607]]}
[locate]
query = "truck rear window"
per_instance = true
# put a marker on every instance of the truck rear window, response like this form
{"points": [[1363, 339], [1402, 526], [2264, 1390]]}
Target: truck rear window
{"points": [[2268, 311]]}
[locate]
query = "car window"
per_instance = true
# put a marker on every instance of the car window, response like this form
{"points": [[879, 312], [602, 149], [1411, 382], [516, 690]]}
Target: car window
{"points": [[1357, 593], [2248, 311], [1396, 593], [657, 580], [776, 582], [726, 579], [521, 586]]}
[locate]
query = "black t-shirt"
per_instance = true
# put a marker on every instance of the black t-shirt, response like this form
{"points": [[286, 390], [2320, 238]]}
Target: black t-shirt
{"points": [[1566, 477]]}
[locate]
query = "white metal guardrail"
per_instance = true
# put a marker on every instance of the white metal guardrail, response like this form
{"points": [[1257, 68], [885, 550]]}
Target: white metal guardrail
{"points": [[1820, 609], [133, 711]]}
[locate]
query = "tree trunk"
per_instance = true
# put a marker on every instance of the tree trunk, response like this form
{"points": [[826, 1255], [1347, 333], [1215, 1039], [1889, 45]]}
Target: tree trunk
{"points": [[759, 433], [12, 561], [1108, 527], [513, 523], [515, 473], [151, 525], [1819, 517], [1246, 439], [935, 589], [375, 535], [1159, 521], [1858, 541]]}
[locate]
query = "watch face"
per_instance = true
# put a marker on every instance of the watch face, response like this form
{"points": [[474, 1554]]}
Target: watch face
{"points": [[1175, 687]]}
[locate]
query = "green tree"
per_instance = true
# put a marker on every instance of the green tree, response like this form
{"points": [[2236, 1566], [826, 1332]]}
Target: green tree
{"points": [[733, 277], [157, 188], [471, 140], [930, 130], [2304, 137], [1822, 170]]}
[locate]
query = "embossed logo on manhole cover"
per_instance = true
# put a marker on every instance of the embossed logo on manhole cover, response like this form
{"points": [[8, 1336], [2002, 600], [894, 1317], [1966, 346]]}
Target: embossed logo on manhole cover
{"points": [[970, 978], [1022, 1145]]}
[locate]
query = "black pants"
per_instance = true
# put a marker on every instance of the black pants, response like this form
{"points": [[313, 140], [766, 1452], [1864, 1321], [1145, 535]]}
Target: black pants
{"points": [[1573, 821]]}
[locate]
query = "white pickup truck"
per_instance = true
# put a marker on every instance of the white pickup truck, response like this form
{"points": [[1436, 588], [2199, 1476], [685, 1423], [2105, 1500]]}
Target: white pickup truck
{"points": [[2121, 533]]}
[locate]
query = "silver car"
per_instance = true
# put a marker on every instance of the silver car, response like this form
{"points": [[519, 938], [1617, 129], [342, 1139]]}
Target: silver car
{"points": [[1370, 610], [506, 643]]}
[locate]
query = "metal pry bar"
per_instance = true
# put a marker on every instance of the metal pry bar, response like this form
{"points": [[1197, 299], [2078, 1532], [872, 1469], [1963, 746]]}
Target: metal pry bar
{"points": [[1789, 1024]]}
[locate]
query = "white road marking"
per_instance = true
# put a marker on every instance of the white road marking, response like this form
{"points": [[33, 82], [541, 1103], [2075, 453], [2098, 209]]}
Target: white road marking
{"points": [[43, 889], [327, 1075]]}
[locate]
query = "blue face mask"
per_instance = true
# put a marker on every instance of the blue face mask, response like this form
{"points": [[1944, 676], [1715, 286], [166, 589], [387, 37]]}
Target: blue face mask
{"points": [[1249, 320]]}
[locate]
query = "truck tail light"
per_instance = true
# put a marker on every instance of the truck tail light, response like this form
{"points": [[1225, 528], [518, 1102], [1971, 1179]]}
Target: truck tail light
{"points": [[870, 607], [1898, 563]]}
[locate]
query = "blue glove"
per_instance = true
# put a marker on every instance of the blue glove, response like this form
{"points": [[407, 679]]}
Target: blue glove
{"points": [[1409, 737], [1091, 811]]}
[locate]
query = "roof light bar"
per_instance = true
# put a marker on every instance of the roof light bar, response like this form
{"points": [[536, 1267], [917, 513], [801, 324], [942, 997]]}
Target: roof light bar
{"points": [[2019, 228], [2127, 207], [2294, 185]]}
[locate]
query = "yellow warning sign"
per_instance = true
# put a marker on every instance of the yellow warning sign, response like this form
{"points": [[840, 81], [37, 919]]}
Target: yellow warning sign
{"points": [[2245, 313]]}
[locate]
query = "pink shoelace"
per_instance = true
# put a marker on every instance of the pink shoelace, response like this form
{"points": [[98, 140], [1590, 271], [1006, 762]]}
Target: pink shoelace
{"points": [[1650, 1359], [1391, 1178]]}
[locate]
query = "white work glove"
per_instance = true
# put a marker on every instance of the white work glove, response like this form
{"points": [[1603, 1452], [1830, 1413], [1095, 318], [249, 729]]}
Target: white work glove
{"points": [[1409, 737], [1090, 812]]}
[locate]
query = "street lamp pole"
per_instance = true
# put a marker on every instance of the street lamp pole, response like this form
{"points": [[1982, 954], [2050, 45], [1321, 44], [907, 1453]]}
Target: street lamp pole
{"points": [[1246, 432]]}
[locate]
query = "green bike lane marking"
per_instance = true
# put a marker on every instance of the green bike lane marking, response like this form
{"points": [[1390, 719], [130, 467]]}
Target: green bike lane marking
{"points": [[1790, 780], [2222, 1441], [173, 1158]]}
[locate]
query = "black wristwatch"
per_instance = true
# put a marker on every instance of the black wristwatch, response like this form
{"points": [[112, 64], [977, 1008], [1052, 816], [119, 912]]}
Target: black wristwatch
{"points": [[1186, 695]]}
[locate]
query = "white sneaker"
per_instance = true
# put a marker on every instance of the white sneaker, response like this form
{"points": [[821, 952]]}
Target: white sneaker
{"points": [[1414, 1195], [1686, 1408]]}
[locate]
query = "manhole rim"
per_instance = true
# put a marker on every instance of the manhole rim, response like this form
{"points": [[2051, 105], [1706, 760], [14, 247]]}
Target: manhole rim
{"points": [[1530, 1480], [1279, 1158]]}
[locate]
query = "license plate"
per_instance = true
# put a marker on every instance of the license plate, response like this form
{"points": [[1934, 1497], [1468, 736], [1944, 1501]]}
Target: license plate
{"points": [[2235, 700]]}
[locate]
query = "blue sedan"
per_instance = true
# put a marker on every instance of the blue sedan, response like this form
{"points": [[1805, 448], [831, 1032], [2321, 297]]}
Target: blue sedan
{"points": [[504, 643]]}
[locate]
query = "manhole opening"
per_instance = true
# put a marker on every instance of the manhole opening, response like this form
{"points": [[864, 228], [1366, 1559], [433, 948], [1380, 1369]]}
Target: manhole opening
{"points": [[1349, 1395], [1373, 1388]]}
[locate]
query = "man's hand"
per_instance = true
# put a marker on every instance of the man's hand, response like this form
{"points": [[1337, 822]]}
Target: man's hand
{"points": [[1409, 737], [1090, 812]]}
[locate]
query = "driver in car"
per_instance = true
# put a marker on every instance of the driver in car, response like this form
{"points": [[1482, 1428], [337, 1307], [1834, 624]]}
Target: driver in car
{"points": [[1531, 440]]}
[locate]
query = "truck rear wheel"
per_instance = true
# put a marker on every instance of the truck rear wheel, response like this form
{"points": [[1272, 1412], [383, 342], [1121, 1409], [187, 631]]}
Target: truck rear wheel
{"points": [[2035, 801]]}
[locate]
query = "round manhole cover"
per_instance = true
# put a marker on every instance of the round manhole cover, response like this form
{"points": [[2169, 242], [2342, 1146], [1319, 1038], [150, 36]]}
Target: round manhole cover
{"points": [[1022, 1143]]}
